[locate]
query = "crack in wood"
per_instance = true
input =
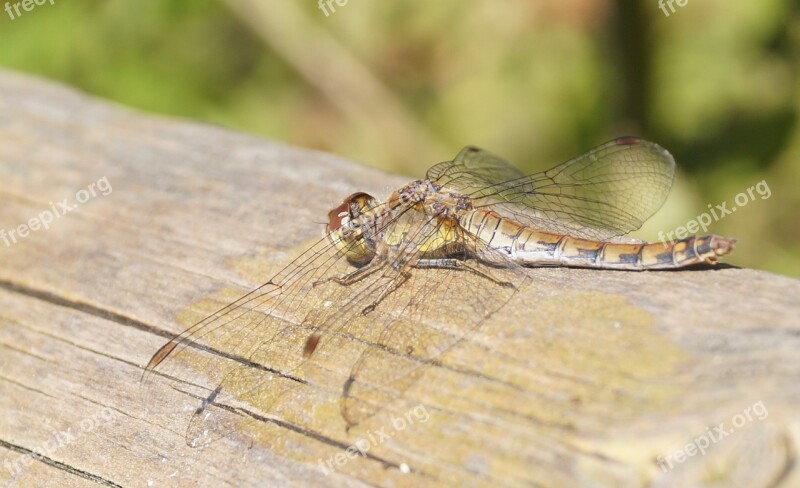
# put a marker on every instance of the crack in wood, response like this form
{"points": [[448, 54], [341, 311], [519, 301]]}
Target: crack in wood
{"points": [[57, 464], [93, 310]]}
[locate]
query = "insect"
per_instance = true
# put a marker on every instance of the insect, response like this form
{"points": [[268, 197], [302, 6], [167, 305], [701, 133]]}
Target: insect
{"points": [[455, 242]]}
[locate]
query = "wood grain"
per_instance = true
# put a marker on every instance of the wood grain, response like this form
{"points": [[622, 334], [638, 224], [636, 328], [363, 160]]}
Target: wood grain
{"points": [[586, 378]]}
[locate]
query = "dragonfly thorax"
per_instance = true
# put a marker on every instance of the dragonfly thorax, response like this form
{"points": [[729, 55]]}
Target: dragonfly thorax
{"points": [[434, 200]]}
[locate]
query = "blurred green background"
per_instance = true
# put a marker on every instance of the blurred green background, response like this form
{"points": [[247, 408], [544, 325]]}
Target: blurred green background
{"points": [[401, 85]]}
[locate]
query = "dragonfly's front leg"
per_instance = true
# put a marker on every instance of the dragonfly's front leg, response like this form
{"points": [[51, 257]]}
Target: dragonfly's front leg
{"points": [[349, 279], [394, 285], [362, 273], [354, 277], [457, 264]]}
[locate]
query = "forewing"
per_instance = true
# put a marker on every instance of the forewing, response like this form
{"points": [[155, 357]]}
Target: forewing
{"points": [[606, 192], [256, 344]]}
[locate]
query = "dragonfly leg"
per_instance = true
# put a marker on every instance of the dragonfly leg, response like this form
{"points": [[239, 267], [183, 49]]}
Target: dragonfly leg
{"points": [[451, 263], [313, 339], [395, 284], [354, 277]]}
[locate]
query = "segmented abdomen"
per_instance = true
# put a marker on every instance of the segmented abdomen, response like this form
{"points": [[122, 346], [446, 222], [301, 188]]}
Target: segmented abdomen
{"points": [[531, 247]]}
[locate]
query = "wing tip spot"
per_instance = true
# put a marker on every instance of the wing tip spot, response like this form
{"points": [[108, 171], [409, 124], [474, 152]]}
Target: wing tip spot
{"points": [[311, 345], [628, 141], [161, 355]]}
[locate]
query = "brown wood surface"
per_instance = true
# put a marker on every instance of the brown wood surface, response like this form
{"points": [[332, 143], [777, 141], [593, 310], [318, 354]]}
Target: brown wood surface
{"points": [[586, 378]]}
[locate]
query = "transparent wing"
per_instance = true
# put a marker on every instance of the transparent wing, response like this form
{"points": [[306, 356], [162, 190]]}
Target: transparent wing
{"points": [[228, 357], [438, 309], [238, 362], [606, 192]]}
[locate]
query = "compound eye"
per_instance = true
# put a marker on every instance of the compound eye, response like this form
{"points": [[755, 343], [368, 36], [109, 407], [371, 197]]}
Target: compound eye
{"points": [[338, 216], [352, 207]]}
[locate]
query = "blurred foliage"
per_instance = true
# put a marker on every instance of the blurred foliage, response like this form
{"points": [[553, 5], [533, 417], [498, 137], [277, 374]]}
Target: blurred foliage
{"points": [[402, 85]]}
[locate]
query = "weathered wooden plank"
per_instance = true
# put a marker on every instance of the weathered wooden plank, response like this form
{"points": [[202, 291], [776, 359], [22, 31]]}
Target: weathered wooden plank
{"points": [[586, 378]]}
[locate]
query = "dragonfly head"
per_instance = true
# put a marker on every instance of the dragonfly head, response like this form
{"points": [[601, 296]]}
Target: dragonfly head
{"points": [[349, 228]]}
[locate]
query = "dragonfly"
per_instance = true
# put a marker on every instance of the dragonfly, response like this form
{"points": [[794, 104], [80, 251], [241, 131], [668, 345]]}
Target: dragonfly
{"points": [[395, 284]]}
